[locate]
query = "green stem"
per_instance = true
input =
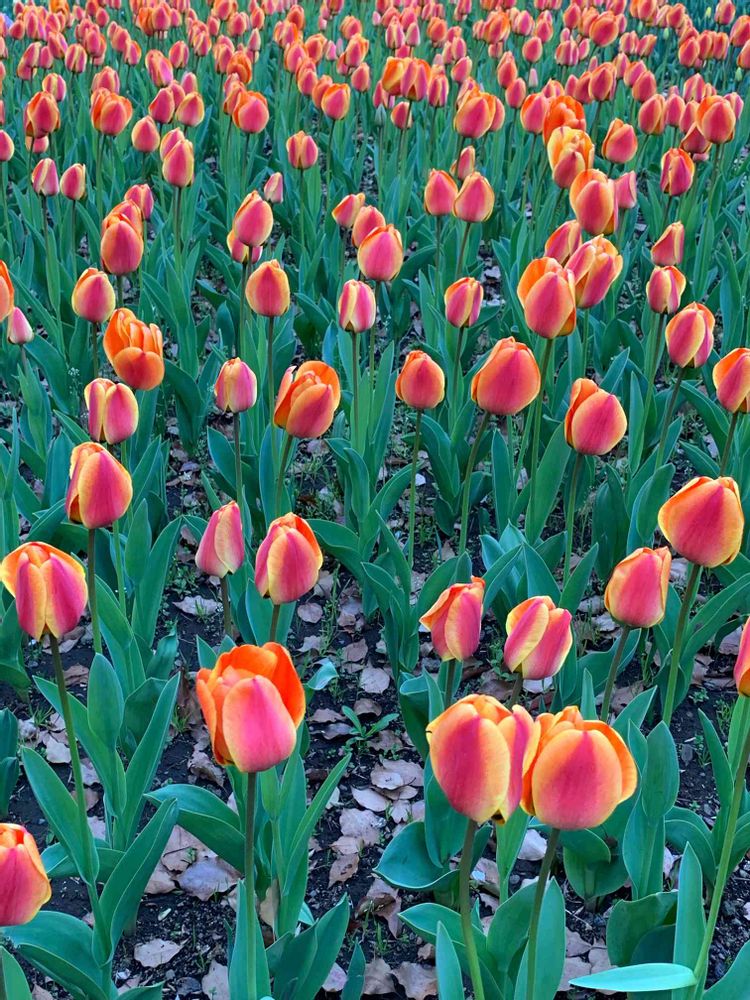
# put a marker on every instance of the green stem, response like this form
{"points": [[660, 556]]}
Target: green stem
{"points": [[612, 675], [121, 592], [177, 201], [413, 487], [355, 390], [526, 175], [674, 663], [450, 680], [585, 346], [329, 163], [701, 966], [548, 346], [274, 623], [301, 219], [282, 470], [570, 513], [238, 484], [462, 251], [121, 290], [515, 694], [3, 987], [4, 182], [91, 572], [541, 885], [455, 381], [226, 606], [271, 391], [728, 446], [239, 347], [467, 482], [464, 876], [668, 417], [252, 992], [438, 240], [373, 338], [653, 363], [95, 349]]}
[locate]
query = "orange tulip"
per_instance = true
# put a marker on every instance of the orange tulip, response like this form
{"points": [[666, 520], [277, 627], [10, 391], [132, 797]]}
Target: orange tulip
{"points": [[253, 703], [463, 300], [302, 151], [110, 113], [636, 595], [596, 265], [49, 587], [25, 884], [731, 376], [421, 382], [455, 620], [44, 179], [236, 388], [690, 336], [508, 380], [439, 193], [222, 547], [592, 198], [93, 297], [669, 249], [704, 521], [122, 244], [366, 220], [620, 143], [73, 182], [357, 309], [381, 254], [267, 289], [113, 410], [253, 220], [677, 172], [546, 291], [100, 489], [563, 242], [716, 119], [288, 561], [570, 152], [475, 199], [347, 210], [742, 666], [664, 289], [539, 638], [595, 421], [307, 399], [7, 292]]}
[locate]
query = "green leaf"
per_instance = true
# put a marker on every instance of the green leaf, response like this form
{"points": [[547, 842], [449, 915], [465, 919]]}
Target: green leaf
{"points": [[15, 982], [302, 963], [105, 705], [60, 946], [355, 976], [550, 955], [734, 984], [661, 779], [208, 818], [448, 967], [639, 978], [691, 918]]}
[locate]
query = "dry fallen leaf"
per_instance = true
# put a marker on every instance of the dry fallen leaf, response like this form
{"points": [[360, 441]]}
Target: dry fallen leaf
{"points": [[418, 981], [374, 680], [208, 877], [362, 824], [215, 984], [343, 868], [152, 954], [368, 798], [310, 612], [197, 605], [378, 978]]}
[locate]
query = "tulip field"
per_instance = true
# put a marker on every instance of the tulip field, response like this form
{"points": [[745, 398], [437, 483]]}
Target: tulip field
{"points": [[374, 464]]}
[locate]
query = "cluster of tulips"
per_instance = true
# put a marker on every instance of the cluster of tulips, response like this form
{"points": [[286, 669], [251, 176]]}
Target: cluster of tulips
{"points": [[193, 246]]}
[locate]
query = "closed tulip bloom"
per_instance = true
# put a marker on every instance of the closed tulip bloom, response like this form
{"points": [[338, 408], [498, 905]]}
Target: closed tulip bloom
{"points": [[347, 210], [716, 119], [289, 559], [381, 254], [581, 771], [253, 703], [563, 242], [455, 620], [307, 399], [113, 410], [595, 421], [44, 179], [135, 350], [145, 135], [302, 151], [508, 380], [474, 115], [93, 297], [592, 198], [100, 489], [250, 113], [357, 308], [421, 382], [178, 164], [546, 291], [669, 249], [121, 245], [626, 190], [596, 265], [664, 289], [253, 220], [563, 111], [366, 220], [465, 164], [479, 751], [25, 884], [636, 595], [222, 548], [570, 152], [110, 113], [475, 199], [267, 289], [620, 143], [49, 587], [73, 182], [731, 376], [463, 300], [677, 172], [7, 147], [690, 336], [20, 330], [539, 638], [742, 666], [236, 388], [273, 189], [704, 521], [335, 101], [439, 193]]}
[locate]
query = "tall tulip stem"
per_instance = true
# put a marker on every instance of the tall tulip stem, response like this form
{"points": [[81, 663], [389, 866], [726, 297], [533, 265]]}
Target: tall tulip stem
{"points": [[121, 592], [252, 991], [3, 987], [226, 606], [668, 417], [538, 405], [456, 380], [91, 574], [464, 877], [239, 347], [355, 389], [413, 486], [271, 388], [728, 445], [238, 484], [286, 448], [515, 694], [95, 349], [612, 675], [570, 514], [462, 251], [467, 482], [541, 885], [274, 623], [674, 663]]}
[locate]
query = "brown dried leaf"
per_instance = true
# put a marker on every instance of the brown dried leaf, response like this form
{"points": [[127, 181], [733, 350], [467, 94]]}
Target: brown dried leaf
{"points": [[343, 868], [378, 978], [418, 981], [152, 954], [310, 612], [374, 680]]}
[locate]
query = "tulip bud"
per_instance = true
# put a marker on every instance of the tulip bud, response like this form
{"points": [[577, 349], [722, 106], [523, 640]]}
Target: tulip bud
{"points": [[288, 560], [421, 382], [573, 753], [121, 245], [236, 388], [690, 336], [356, 306], [335, 101], [49, 587], [100, 489], [7, 292], [73, 182], [302, 151], [253, 220], [19, 328], [677, 171], [178, 163], [564, 242], [595, 421], [7, 147], [664, 289], [25, 884], [307, 399], [704, 521], [475, 199], [273, 189], [347, 210], [463, 300], [626, 190], [670, 247], [464, 166], [596, 265], [113, 411], [439, 193], [253, 703], [716, 119], [455, 620], [44, 179], [366, 220], [570, 152], [145, 135], [620, 143], [135, 350], [93, 297], [592, 198], [250, 113], [381, 253], [508, 380], [731, 376], [539, 638], [636, 595], [546, 291], [478, 752], [742, 666], [222, 547], [267, 289]]}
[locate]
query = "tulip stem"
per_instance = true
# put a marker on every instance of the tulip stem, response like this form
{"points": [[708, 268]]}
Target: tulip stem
{"points": [[121, 290], [585, 344], [329, 164], [252, 991], [282, 470], [674, 663], [413, 487], [238, 484], [438, 238], [121, 592], [467, 482], [274, 623], [541, 886], [226, 606], [728, 445], [239, 347], [457, 367], [462, 251], [612, 675], [701, 966], [301, 220], [355, 389], [3, 987], [515, 694], [549, 344], [91, 573], [269, 376], [4, 183], [464, 877], [570, 513], [668, 417], [95, 349], [526, 175]]}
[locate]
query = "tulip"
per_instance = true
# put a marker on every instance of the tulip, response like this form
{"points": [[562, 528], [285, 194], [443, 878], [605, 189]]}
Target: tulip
{"points": [[121, 245], [222, 550], [49, 587], [508, 380], [677, 172], [563, 242], [670, 247], [455, 622], [113, 411], [145, 136], [463, 300], [475, 199], [636, 595], [236, 388], [135, 350], [73, 182], [716, 119], [26, 887], [689, 336], [20, 331], [421, 382], [267, 290], [253, 703], [273, 189], [356, 307], [44, 179], [253, 220], [539, 639], [381, 254], [620, 143], [546, 291], [439, 193], [110, 113], [307, 400], [596, 265], [366, 220], [288, 561], [302, 151], [93, 297], [626, 190], [664, 289], [731, 377], [570, 152], [742, 666], [347, 210], [100, 489], [592, 198], [595, 421], [178, 166], [704, 521]]}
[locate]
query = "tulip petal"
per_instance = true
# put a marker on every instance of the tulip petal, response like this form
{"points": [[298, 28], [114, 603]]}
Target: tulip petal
{"points": [[258, 729]]}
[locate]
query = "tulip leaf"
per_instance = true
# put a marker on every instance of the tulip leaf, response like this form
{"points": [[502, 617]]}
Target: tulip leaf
{"points": [[448, 967], [734, 983], [208, 818], [550, 956], [661, 778], [15, 981], [647, 978], [60, 946]]}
